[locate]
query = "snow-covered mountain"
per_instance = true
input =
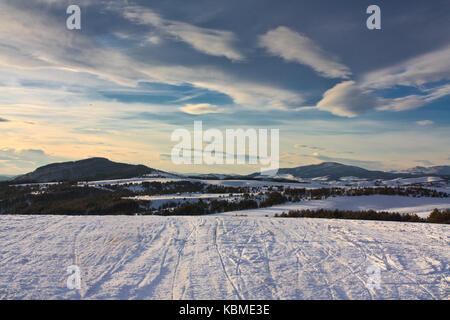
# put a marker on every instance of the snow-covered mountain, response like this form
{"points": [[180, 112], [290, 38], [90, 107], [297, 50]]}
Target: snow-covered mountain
{"points": [[435, 170], [104, 169], [338, 171], [334, 171]]}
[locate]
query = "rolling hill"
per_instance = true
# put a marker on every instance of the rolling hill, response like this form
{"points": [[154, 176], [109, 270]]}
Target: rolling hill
{"points": [[104, 169], [87, 169], [334, 171], [435, 170]]}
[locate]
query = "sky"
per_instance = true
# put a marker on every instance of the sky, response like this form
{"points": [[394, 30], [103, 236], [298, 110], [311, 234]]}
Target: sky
{"points": [[138, 70]]}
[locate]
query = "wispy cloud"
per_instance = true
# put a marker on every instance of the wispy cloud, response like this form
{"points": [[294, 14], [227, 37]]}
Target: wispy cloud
{"points": [[350, 99], [201, 108], [295, 47], [118, 86], [13, 161], [415, 101], [430, 67], [349, 161], [49, 45], [300, 146], [425, 122], [425, 162], [209, 41]]}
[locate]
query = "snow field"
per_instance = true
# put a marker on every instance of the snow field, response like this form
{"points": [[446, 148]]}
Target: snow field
{"points": [[137, 257]]}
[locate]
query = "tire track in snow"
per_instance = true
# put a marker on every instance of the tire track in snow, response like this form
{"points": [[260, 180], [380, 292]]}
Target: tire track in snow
{"points": [[146, 252], [118, 241], [296, 244], [365, 257], [179, 254], [46, 228], [306, 258], [241, 251], [290, 248], [403, 272], [317, 267], [399, 271], [266, 258], [216, 246], [76, 260], [245, 247]]}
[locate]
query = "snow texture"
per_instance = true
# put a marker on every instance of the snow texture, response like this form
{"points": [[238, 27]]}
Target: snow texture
{"points": [[213, 257]]}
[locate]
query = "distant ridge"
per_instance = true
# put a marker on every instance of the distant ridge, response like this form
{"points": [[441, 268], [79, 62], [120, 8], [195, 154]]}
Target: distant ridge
{"points": [[87, 169], [435, 170], [335, 171], [103, 169]]}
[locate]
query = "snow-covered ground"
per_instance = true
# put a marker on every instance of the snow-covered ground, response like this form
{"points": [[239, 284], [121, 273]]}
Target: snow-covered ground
{"points": [[421, 206], [296, 183], [157, 201], [135, 184], [136, 257], [187, 196], [118, 182]]}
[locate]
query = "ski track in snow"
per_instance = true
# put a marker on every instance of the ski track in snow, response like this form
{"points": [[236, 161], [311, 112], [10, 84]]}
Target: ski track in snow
{"points": [[213, 257]]}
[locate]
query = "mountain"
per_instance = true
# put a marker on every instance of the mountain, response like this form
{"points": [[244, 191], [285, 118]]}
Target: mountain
{"points": [[6, 178], [334, 171], [104, 169], [82, 170], [436, 171]]}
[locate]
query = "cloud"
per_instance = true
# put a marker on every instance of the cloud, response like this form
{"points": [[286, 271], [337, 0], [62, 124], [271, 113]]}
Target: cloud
{"points": [[201, 108], [348, 161], [425, 122], [67, 55], [294, 47], [251, 95], [26, 154], [20, 161], [209, 41], [317, 150], [430, 67], [300, 146], [3, 120], [350, 99], [347, 99], [425, 162], [198, 153], [414, 101]]}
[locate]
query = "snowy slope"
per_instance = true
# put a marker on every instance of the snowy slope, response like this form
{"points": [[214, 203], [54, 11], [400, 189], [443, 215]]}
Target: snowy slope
{"points": [[153, 257], [157, 201], [421, 206]]}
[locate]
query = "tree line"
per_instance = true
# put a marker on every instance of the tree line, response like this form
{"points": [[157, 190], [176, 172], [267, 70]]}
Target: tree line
{"points": [[436, 216]]}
